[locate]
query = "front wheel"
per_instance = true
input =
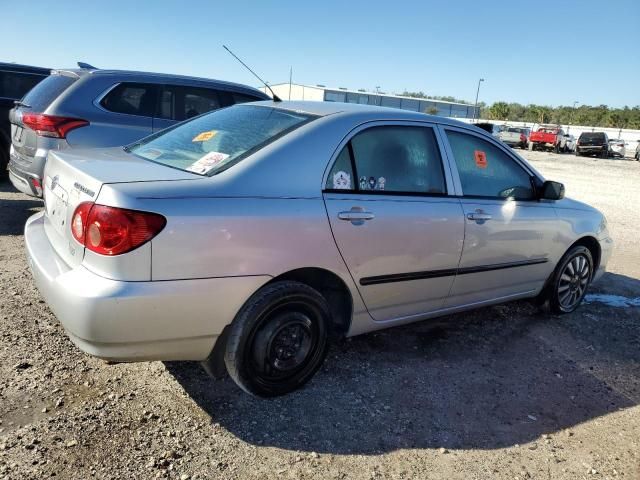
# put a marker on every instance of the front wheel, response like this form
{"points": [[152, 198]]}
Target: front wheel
{"points": [[279, 339], [570, 280]]}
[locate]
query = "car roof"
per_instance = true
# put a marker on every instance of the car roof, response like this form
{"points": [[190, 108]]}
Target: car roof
{"points": [[158, 77], [368, 112], [16, 67]]}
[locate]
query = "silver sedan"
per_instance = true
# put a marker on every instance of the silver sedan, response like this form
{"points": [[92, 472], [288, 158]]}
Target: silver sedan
{"points": [[251, 236]]}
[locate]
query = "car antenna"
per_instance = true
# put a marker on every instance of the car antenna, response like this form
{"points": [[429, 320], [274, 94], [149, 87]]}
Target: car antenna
{"points": [[86, 66], [276, 98]]}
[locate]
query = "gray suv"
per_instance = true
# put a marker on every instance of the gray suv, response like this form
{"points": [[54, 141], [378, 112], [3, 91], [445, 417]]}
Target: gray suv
{"points": [[88, 107]]}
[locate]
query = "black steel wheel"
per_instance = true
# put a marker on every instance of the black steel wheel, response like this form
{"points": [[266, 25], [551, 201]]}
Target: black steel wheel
{"points": [[571, 280], [279, 339]]}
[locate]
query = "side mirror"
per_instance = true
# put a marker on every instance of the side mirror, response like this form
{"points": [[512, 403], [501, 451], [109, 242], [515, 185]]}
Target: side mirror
{"points": [[552, 190]]}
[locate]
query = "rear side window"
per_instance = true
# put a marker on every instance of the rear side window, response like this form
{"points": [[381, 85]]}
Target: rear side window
{"points": [[487, 171], [131, 99], [393, 159], [44, 93], [214, 142], [16, 84], [198, 101]]}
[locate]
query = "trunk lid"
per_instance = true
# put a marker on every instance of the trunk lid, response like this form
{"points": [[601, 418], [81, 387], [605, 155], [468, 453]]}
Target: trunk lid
{"points": [[75, 176], [543, 137]]}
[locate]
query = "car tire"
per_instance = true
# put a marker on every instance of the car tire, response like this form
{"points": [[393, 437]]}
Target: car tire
{"points": [[569, 282], [604, 154], [279, 339]]}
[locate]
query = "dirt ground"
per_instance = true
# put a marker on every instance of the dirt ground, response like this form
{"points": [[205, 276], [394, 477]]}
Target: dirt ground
{"points": [[505, 392]]}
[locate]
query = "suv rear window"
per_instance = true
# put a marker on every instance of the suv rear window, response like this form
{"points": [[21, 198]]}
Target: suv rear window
{"points": [[15, 84], [592, 136], [218, 140], [44, 93]]}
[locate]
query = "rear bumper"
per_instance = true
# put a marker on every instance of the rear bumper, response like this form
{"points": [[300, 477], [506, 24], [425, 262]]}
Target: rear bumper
{"points": [[135, 321], [23, 174]]}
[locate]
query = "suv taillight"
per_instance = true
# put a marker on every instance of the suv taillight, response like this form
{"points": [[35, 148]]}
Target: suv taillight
{"points": [[52, 125], [113, 231]]}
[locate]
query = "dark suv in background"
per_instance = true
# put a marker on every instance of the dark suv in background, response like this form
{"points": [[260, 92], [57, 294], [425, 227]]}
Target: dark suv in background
{"points": [[89, 107], [15, 82], [593, 143]]}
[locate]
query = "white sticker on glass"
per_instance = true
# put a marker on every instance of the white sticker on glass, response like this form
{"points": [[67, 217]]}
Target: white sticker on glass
{"points": [[341, 180], [205, 164]]}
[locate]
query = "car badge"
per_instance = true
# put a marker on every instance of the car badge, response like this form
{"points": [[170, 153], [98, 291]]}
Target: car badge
{"points": [[54, 182]]}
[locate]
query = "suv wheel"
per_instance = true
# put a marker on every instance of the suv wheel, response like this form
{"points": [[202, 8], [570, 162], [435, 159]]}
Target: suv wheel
{"points": [[604, 154], [279, 339], [569, 282]]}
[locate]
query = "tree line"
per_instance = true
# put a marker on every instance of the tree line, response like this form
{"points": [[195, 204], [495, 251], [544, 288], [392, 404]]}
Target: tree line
{"points": [[595, 116]]}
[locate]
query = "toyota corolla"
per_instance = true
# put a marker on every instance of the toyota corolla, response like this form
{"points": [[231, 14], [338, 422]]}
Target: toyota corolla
{"points": [[251, 236]]}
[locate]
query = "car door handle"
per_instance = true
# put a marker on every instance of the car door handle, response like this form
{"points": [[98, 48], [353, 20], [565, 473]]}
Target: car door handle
{"points": [[479, 216], [355, 215]]}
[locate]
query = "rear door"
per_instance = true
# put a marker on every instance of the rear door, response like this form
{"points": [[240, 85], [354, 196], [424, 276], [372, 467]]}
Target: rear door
{"points": [[124, 115], [396, 227], [509, 235]]}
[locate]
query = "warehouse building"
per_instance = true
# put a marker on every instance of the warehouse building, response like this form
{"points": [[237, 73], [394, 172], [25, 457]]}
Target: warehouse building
{"points": [[321, 93]]}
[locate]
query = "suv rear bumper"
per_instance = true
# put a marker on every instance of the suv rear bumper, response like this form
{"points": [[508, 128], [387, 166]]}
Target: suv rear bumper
{"points": [[134, 321], [26, 176]]}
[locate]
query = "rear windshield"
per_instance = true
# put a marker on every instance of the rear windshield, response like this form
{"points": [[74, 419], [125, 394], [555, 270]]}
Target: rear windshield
{"points": [[592, 136], [215, 141], [43, 94], [515, 130]]}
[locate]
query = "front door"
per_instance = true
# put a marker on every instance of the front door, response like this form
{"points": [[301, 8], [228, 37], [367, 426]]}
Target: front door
{"points": [[509, 234], [398, 231]]}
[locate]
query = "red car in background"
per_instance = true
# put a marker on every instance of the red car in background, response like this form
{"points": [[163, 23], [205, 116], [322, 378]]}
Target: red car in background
{"points": [[548, 137]]}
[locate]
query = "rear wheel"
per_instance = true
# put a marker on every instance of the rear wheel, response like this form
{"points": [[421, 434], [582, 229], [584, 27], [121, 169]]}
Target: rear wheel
{"points": [[604, 154], [279, 339], [570, 280]]}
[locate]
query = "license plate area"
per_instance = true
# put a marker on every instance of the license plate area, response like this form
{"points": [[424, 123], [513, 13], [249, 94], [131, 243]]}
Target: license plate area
{"points": [[56, 204], [17, 135]]}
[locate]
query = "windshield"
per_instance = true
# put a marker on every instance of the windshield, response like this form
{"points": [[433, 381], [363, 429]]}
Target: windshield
{"points": [[218, 140]]}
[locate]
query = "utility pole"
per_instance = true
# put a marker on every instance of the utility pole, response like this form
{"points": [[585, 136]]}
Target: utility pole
{"points": [[475, 107], [290, 78]]}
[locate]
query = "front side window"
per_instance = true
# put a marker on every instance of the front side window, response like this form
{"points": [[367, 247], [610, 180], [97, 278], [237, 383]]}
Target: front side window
{"points": [[214, 142], [487, 171], [391, 159], [131, 99]]}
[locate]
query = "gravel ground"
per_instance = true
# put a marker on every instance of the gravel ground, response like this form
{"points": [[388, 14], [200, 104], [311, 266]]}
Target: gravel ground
{"points": [[505, 392]]}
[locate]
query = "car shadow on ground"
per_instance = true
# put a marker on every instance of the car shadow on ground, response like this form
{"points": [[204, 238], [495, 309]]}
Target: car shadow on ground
{"points": [[486, 379], [15, 212]]}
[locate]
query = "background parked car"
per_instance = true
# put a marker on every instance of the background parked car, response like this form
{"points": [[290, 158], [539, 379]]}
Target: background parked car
{"points": [[88, 107], [514, 136], [617, 147], [638, 152], [548, 137], [493, 128], [15, 81], [593, 143], [570, 143]]}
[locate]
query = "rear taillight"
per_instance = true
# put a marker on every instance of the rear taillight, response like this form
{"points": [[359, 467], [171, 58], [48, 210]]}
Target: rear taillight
{"points": [[113, 231], [51, 125], [523, 138]]}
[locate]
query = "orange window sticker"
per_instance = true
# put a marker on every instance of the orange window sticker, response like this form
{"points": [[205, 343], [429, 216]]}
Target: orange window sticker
{"points": [[204, 136], [481, 158]]}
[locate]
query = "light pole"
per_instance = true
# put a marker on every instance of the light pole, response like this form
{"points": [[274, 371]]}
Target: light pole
{"points": [[573, 112], [475, 107]]}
